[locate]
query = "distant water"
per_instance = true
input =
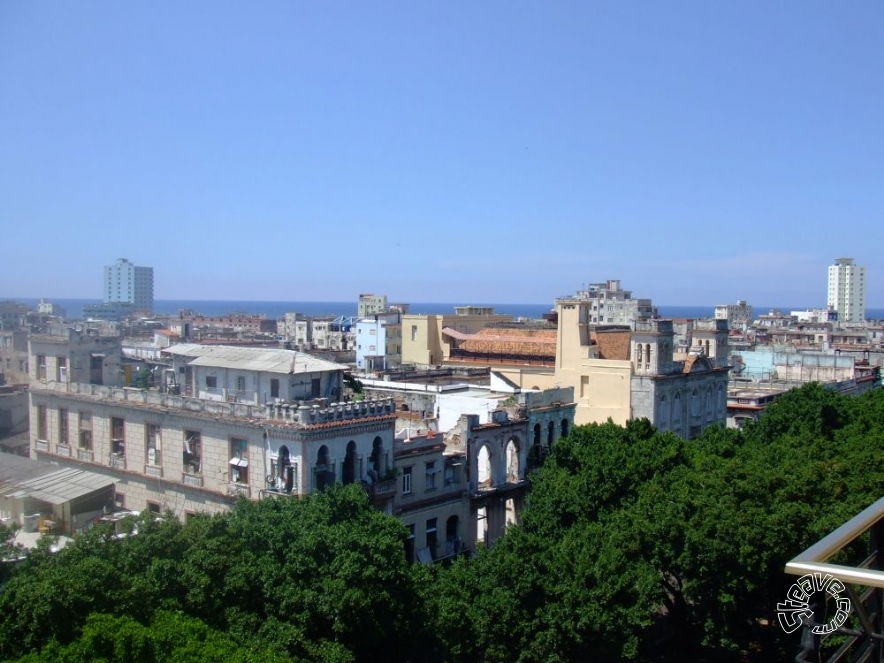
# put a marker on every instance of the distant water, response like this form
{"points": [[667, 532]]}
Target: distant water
{"points": [[278, 309]]}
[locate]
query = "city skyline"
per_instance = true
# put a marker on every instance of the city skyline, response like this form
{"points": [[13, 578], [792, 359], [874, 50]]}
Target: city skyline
{"points": [[505, 153]]}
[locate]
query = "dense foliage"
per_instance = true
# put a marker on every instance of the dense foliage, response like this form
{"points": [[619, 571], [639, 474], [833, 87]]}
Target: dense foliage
{"points": [[634, 545]]}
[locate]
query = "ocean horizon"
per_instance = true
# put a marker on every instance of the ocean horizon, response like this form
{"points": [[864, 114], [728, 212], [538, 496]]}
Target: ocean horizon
{"points": [[277, 309]]}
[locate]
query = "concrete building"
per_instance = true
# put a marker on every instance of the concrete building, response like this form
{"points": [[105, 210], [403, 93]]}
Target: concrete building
{"points": [[379, 342], [847, 290], [432, 497], [128, 284], [253, 375], [14, 419], [497, 463], [14, 357], [48, 308], [738, 316], [370, 304], [827, 314], [13, 315], [611, 305], [189, 454]]}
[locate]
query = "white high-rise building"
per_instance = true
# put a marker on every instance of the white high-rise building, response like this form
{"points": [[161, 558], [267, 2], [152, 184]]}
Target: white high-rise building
{"points": [[126, 283], [847, 290]]}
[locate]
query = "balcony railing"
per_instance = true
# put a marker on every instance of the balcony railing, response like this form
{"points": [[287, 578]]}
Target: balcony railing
{"points": [[191, 479], [384, 488], [861, 639], [41, 445], [63, 449], [84, 454], [238, 490], [153, 471], [117, 461]]}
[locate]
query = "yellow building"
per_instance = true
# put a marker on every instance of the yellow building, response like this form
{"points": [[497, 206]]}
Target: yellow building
{"points": [[423, 343]]}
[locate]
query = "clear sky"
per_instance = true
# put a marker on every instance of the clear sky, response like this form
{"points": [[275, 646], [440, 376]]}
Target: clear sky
{"points": [[701, 152]]}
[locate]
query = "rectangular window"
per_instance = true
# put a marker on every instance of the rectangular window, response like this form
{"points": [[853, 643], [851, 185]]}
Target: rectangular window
{"points": [[409, 545], [413, 332], [406, 480], [431, 475], [42, 423], [63, 433], [274, 388], [120, 501], [61, 369], [193, 452], [41, 367], [85, 429], [315, 388], [240, 383], [431, 537], [118, 437], [153, 444], [239, 460], [211, 382], [153, 507]]}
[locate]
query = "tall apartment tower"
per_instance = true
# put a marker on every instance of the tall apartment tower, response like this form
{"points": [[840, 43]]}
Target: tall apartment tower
{"points": [[126, 283], [847, 290]]}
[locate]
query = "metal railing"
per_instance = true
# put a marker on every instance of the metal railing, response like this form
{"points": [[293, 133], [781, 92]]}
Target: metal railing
{"points": [[839, 581]]}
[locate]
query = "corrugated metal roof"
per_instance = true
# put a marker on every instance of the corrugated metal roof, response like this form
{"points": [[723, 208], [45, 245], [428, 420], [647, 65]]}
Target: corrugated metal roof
{"points": [[267, 360], [45, 482], [64, 485]]}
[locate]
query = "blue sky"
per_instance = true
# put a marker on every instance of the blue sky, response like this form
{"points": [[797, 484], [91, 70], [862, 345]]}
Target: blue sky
{"points": [[701, 152]]}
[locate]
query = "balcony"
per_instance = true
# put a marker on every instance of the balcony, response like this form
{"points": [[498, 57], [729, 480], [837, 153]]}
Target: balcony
{"points": [[239, 490], [835, 635], [192, 479], [41, 445], [153, 471], [84, 454], [384, 488], [63, 450], [117, 461]]}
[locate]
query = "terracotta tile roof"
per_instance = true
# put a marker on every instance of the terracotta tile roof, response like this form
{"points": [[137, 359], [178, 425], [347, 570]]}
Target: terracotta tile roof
{"points": [[528, 342], [613, 344]]}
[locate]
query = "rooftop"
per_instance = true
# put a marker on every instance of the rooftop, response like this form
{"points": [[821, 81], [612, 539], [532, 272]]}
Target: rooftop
{"points": [[266, 360]]}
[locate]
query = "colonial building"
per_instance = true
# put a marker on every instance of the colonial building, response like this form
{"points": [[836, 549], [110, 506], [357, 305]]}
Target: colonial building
{"points": [[201, 452]]}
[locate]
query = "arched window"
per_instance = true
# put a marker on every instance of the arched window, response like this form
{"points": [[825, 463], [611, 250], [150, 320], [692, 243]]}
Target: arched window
{"points": [[647, 355], [676, 409], [663, 413], [453, 543], [285, 472], [564, 428], [638, 355], [513, 468], [376, 468], [550, 434], [483, 475], [324, 471], [350, 463]]}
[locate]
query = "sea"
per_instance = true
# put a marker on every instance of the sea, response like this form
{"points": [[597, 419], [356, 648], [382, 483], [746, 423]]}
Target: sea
{"points": [[277, 309]]}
